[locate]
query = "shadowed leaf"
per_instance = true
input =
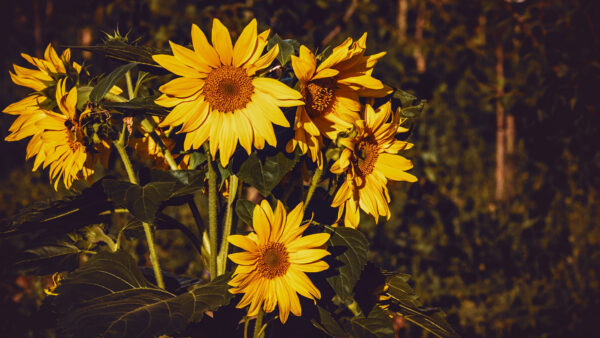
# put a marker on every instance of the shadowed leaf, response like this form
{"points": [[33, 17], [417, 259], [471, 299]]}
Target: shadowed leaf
{"points": [[265, 174], [142, 202], [103, 87]]}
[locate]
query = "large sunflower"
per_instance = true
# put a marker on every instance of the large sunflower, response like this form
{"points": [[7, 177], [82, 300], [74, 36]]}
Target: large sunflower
{"points": [[369, 160], [276, 258], [59, 141], [218, 97], [331, 93]]}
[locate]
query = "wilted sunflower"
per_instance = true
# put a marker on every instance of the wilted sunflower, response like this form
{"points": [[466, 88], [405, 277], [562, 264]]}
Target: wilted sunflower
{"points": [[218, 97], [59, 142], [331, 93], [49, 70], [276, 258], [369, 160]]}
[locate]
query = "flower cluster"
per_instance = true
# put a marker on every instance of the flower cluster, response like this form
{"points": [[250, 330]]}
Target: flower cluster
{"points": [[218, 95]]}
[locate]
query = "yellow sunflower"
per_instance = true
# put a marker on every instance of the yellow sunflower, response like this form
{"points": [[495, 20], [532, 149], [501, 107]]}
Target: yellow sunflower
{"points": [[218, 97], [59, 143], [49, 70], [369, 160], [273, 267], [331, 93]]}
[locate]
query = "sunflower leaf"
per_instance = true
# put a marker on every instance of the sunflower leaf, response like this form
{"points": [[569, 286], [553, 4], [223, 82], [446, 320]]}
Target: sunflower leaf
{"points": [[144, 105], [286, 48], [376, 325], [103, 87], [142, 201], [349, 249], [405, 302], [328, 324], [244, 210], [109, 297], [265, 174], [50, 256]]}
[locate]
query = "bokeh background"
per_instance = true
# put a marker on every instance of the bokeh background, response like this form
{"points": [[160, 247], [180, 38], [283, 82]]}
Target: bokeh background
{"points": [[502, 229]]}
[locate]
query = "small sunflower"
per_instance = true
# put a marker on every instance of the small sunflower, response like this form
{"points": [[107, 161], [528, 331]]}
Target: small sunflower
{"points": [[49, 70], [59, 142], [369, 160], [331, 93], [273, 267], [218, 97]]}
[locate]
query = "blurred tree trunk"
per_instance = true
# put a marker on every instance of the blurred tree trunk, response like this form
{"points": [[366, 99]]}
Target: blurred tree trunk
{"points": [[401, 20], [418, 50], [500, 131]]}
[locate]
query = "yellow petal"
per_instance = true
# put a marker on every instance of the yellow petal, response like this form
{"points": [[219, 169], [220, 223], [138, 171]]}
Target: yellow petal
{"points": [[221, 40], [189, 58], [203, 49], [243, 242], [245, 44]]}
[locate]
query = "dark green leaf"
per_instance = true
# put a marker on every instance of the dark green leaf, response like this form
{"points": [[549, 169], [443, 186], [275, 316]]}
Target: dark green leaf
{"points": [[265, 174], [376, 325], [104, 86], [286, 48], [244, 210], [139, 104], [406, 99], [349, 248], [186, 181], [142, 202], [413, 111], [406, 303], [124, 51], [328, 324], [109, 297], [52, 256]]}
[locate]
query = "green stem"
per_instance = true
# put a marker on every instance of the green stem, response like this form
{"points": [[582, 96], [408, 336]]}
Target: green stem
{"points": [[129, 85], [150, 127], [233, 186], [246, 322], [212, 216], [313, 185], [258, 323], [147, 230]]}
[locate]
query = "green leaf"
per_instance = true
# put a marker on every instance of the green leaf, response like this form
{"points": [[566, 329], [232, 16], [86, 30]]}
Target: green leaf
{"points": [[50, 256], [103, 87], [62, 216], [186, 181], [406, 99], [142, 202], [328, 324], [124, 51], [109, 297], [265, 174], [376, 325], [413, 111], [286, 48], [244, 210], [349, 248], [405, 302], [144, 105]]}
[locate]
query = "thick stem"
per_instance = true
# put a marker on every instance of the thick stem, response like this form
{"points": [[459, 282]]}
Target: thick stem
{"points": [[212, 217], [233, 186], [258, 323], [129, 85], [147, 231], [150, 127], [313, 185]]}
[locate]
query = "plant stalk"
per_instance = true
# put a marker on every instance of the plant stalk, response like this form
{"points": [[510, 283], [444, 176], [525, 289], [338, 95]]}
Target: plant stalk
{"points": [[313, 185], [233, 186], [212, 216], [258, 323]]}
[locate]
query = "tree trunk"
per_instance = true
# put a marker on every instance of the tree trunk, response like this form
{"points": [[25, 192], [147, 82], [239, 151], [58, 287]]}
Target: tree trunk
{"points": [[418, 51], [401, 20], [500, 132]]}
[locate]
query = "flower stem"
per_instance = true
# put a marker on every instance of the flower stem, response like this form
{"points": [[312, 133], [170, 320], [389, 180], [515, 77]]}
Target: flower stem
{"points": [[212, 215], [129, 168], [233, 186], [258, 323], [150, 127], [129, 85], [313, 185]]}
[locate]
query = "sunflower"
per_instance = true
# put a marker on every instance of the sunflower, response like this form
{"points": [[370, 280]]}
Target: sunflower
{"points": [[59, 141], [331, 93], [369, 160], [276, 258], [49, 70], [218, 96]]}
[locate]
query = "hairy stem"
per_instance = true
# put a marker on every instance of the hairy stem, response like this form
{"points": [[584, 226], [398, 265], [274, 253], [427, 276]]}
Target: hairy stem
{"points": [[258, 323], [233, 186], [212, 216], [313, 185]]}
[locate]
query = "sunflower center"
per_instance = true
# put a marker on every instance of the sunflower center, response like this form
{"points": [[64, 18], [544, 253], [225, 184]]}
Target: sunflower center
{"points": [[273, 261], [228, 88], [318, 96], [366, 156]]}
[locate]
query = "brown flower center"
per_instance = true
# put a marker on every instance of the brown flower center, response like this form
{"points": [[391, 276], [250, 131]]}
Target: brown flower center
{"points": [[273, 261], [318, 96], [228, 88], [365, 156]]}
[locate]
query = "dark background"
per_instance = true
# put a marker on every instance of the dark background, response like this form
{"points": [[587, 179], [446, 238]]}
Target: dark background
{"points": [[501, 230]]}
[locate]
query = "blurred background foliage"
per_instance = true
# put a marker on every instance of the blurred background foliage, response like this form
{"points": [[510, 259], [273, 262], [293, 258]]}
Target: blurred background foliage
{"points": [[501, 230]]}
